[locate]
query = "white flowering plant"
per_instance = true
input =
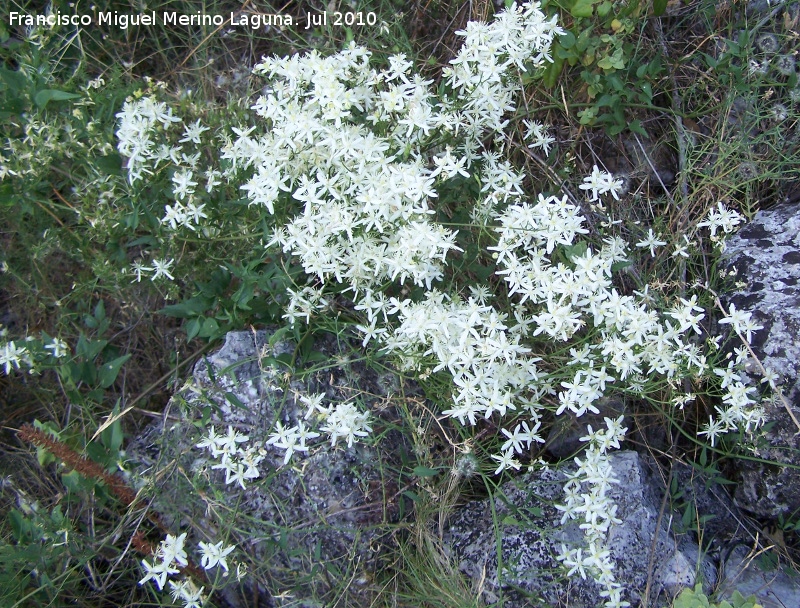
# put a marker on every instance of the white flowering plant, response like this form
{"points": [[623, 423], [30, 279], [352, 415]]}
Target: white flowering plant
{"points": [[349, 191], [348, 161]]}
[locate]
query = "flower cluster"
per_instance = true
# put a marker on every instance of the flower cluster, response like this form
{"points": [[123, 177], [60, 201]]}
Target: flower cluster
{"points": [[171, 552], [346, 422], [600, 183], [724, 219], [137, 121], [159, 268], [354, 157], [240, 464], [340, 421], [738, 409], [291, 440], [537, 134], [483, 72], [13, 355], [587, 499], [171, 556]]}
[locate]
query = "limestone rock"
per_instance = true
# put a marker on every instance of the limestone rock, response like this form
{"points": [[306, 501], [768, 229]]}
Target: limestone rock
{"points": [[308, 526], [773, 587], [766, 255], [530, 534]]}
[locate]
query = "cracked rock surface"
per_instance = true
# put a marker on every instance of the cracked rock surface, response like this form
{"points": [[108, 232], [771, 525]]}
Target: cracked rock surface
{"points": [[531, 535], [766, 255]]}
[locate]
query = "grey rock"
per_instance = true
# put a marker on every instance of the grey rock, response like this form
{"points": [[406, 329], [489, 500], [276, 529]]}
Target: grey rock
{"points": [[563, 440], [309, 526], [766, 254], [773, 587], [648, 559]]}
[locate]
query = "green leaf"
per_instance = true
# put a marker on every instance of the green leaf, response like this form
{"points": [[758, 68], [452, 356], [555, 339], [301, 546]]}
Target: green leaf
{"points": [[112, 437], [204, 419], [21, 526], [411, 495], [553, 71], [567, 40], [659, 7], [314, 356], [421, 471], [635, 126], [582, 8], [587, 116], [234, 400], [604, 8], [575, 251], [89, 349], [209, 328], [109, 165], [612, 62], [45, 96], [188, 308], [13, 79], [279, 335], [193, 328], [44, 457], [100, 310], [109, 371]]}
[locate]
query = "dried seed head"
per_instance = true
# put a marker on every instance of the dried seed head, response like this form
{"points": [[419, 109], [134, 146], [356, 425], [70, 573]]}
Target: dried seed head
{"points": [[747, 171], [466, 465], [785, 64], [779, 112], [768, 44]]}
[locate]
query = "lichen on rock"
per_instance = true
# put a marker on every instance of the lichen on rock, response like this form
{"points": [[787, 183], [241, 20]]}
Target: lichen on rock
{"points": [[307, 525], [766, 257]]}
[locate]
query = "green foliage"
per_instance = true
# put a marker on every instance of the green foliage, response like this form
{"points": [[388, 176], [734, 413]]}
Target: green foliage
{"points": [[695, 598], [41, 559], [618, 75]]}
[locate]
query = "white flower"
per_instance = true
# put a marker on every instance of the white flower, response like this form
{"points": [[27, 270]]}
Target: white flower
{"points": [[741, 322], [537, 132], [172, 549], [314, 404], [601, 182], [11, 355], [192, 133], [712, 430], [227, 443], [183, 185], [161, 269], [138, 269], [58, 348], [187, 592], [347, 422], [158, 572], [651, 242], [506, 461], [685, 315], [681, 248], [721, 217], [213, 555]]}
